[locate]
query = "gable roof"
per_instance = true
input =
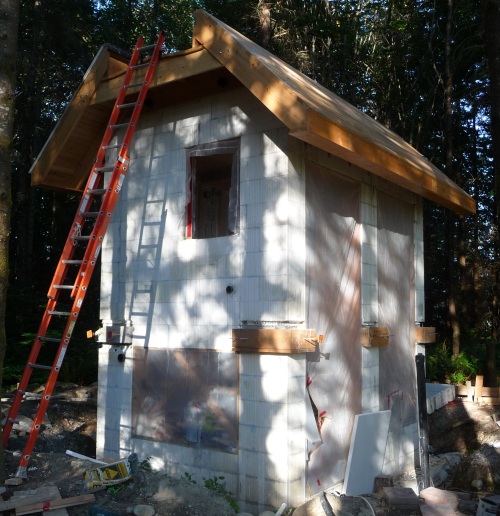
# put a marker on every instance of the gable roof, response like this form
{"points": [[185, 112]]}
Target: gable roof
{"points": [[225, 58]]}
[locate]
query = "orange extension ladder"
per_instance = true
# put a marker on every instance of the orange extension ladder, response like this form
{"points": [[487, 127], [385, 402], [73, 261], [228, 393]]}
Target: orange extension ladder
{"points": [[93, 216]]}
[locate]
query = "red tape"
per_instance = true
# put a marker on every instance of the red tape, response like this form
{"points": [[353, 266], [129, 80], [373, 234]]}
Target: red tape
{"points": [[46, 506]]}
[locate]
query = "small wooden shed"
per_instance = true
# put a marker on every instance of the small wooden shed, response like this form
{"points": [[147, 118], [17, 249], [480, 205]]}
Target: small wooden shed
{"points": [[262, 280]]}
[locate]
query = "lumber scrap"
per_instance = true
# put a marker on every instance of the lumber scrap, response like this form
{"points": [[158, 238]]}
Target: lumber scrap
{"points": [[19, 501], [54, 504], [50, 492]]}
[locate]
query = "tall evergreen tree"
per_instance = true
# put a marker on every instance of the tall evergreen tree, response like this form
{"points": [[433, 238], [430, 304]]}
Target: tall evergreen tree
{"points": [[491, 14]]}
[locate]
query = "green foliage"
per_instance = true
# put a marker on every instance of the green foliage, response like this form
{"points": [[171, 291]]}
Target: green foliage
{"points": [[443, 367], [217, 485], [189, 478], [146, 465]]}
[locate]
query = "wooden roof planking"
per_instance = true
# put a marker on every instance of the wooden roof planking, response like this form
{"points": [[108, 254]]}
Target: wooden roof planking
{"points": [[223, 58]]}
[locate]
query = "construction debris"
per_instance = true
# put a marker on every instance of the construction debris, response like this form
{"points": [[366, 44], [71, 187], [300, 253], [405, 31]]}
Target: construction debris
{"points": [[108, 474], [44, 499]]}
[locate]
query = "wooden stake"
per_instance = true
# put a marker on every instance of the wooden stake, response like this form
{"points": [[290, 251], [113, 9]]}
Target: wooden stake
{"points": [[478, 398]]}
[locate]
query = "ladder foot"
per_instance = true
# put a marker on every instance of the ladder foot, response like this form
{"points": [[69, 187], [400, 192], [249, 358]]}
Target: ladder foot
{"points": [[22, 472]]}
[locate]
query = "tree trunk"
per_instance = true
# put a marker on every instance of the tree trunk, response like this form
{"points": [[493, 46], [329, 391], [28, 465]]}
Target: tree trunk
{"points": [[9, 22], [491, 13], [448, 150], [29, 144]]}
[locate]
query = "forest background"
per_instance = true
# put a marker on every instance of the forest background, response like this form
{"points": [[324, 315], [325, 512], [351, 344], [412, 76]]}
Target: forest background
{"points": [[427, 69]]}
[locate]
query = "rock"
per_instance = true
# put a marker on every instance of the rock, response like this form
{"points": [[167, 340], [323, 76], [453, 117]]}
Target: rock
{"points": [[15, 481], [267, 513], [144, 510], [433, 496], [453, 458], [244, 514], [477, 484]]}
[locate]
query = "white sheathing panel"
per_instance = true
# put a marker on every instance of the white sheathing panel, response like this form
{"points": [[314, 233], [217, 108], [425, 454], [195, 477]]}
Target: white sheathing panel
{"points": [[272, 422], [369, 439], [419, 264]]}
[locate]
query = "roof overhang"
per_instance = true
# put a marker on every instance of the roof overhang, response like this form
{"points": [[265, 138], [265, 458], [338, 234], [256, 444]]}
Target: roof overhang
{"points": [[222, 58], [319, 117]]}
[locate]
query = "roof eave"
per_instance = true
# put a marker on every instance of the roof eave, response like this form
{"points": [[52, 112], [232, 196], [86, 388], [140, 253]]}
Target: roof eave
{"points": [[306, 121], [430, 183], [71, 116]]}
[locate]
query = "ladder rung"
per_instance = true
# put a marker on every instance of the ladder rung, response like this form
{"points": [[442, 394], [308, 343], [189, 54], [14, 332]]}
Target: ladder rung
{"points": [[64, 287], [37, 366], [57, 312], [97, 191], [108, 147], [146, 48], [49, 339], [134, 85], [89, 214], [72, 262], [117, 126], [138, 66], [109, 168], [81, 237], [124, 106]]}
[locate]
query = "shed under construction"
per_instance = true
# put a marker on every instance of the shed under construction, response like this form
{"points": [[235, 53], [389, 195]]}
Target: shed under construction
{"points": [[262, 277]]}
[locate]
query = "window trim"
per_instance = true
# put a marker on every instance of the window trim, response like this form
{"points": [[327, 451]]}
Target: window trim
{"points": [[211, 149]]}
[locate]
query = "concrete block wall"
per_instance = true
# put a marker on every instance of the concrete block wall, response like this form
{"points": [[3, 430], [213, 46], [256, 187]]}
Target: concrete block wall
{"points": [[419, 264], [174, 289], [272, 421], [370, 398]]}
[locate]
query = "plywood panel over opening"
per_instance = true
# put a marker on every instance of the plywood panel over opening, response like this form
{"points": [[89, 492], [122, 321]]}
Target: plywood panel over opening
{"points": [[186, 396], [334, 307]]}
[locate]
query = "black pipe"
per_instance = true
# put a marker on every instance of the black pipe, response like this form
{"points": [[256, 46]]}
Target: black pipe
{"points": [[325, 504], [423, 425]]}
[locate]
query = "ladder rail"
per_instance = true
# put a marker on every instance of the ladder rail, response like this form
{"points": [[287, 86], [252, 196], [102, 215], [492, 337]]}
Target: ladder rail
{"points": [[92, 192], [122, 163]]}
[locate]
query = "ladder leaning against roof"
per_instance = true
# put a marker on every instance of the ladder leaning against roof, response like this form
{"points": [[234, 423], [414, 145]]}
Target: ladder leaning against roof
{"points": [[79, 256]]}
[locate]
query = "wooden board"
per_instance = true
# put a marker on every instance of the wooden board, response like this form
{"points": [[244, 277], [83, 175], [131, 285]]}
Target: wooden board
{"points": [[19, 501], [375, 336], [425, 334], [55, 504], [276, 341], [42, 494]]}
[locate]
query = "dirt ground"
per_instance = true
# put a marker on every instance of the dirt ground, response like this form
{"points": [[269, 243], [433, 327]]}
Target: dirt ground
{"points": [[461, 426]]}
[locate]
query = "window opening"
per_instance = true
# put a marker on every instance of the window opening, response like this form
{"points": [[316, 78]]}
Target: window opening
{"points": [[213, 190]]}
